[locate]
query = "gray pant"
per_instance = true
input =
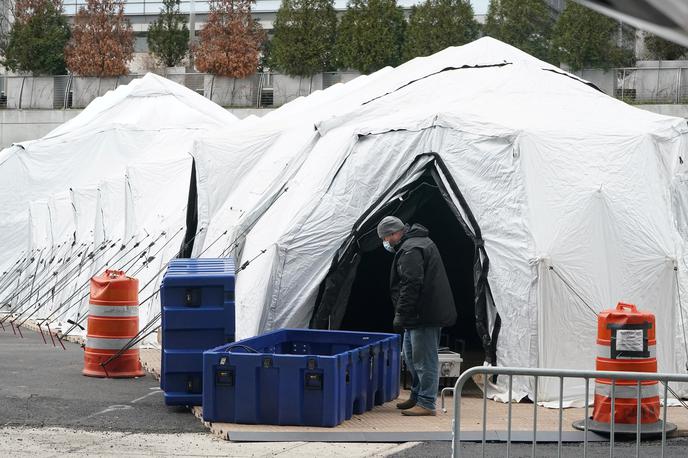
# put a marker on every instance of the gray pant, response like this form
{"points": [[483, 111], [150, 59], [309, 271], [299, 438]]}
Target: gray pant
{"points": [[420, 354]]}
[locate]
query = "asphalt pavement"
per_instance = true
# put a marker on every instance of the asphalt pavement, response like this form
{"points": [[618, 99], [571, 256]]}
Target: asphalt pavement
{"points": [[42, 385], [675, 448], [46, 405]]}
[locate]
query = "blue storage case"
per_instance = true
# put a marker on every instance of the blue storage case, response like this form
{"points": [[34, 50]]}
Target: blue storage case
{"points": [[300, 377], [197, 298]]}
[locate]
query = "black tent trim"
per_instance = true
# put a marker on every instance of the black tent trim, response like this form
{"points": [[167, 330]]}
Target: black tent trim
{"points": [[446, 69], [331, 302], [575, 78], [191, 216]]}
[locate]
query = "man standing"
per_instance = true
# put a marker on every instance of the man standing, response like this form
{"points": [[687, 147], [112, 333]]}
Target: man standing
{"points": [[423, 305]]}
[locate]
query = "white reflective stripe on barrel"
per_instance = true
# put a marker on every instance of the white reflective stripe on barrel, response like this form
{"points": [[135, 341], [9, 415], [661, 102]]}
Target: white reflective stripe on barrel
{"points": [[626, 391], [113, 310], [100, 343], [605, 351]]}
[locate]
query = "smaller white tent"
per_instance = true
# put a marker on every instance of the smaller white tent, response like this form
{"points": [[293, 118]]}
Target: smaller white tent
{"points": [[132, 144], [125, 125]]}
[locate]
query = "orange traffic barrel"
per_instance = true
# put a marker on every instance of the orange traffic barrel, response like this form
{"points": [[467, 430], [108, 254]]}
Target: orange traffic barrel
{"points": [[113, 320], [626, 342]]}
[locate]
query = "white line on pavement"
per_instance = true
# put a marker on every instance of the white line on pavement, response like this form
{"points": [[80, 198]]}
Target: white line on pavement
{"points": [[145, 396]]}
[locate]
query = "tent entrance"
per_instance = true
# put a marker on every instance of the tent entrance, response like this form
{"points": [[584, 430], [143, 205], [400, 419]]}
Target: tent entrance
{"points": [[355, 294]]}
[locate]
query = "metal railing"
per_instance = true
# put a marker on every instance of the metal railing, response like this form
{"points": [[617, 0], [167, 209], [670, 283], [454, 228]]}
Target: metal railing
{"points": [[561, 374]]}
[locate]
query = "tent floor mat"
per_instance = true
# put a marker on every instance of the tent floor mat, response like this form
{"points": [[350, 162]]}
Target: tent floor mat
{"points": [[386, 424], [405, 436]]}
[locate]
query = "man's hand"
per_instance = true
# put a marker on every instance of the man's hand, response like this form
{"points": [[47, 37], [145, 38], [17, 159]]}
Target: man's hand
{"points": [[397, 324]]}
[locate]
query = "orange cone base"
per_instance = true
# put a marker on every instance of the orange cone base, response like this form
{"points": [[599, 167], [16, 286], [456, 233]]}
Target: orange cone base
{"points": [[626, 410], [647, 430], [126, 365]]}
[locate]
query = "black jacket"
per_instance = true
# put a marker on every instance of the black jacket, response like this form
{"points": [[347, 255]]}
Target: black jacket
{"points": [[418, 283]]}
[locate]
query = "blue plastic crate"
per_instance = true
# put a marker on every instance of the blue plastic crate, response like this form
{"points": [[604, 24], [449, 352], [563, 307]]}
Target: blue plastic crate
{"points": [[197, 298], [300, 377]]}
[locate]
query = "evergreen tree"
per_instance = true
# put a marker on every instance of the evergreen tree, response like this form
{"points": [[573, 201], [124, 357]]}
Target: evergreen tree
{"points": [[370, 35], [438, 24], [102, 42], [525, 24], [304, 37], [168, 36], [584, 38], [231, 41], [37, 38], [662, 49]]}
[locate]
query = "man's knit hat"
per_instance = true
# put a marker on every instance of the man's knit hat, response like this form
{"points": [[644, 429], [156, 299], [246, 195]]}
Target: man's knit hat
{"points": [[389, 225]]}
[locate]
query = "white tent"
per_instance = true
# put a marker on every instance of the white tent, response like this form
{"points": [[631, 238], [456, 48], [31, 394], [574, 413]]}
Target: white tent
{"points": [[125, 125], [81, 218], [552, 201]]}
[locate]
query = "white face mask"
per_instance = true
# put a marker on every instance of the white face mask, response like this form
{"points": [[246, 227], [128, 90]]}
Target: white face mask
{"points": [[388, 246]]}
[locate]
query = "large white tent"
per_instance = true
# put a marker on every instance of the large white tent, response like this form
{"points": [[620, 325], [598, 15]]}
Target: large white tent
{"points": [[559, 201]]}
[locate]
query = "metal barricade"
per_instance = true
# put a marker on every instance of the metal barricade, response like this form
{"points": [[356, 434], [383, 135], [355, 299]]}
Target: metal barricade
{"points": [[561, 374]]}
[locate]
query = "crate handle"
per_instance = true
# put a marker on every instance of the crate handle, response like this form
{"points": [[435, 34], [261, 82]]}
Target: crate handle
{"points": [[624, 306], [245, 347]]}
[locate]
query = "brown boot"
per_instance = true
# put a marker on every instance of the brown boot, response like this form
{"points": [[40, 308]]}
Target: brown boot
{"points": [[418, 411], [407, 404]]}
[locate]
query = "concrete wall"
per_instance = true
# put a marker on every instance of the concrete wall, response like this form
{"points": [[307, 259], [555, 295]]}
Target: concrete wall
{"points": [[286, 88], [21, 125], [680, 111]]}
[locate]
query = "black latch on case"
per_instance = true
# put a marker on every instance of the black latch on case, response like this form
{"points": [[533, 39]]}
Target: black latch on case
{"points": [[224, 377], [314, 381]]}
